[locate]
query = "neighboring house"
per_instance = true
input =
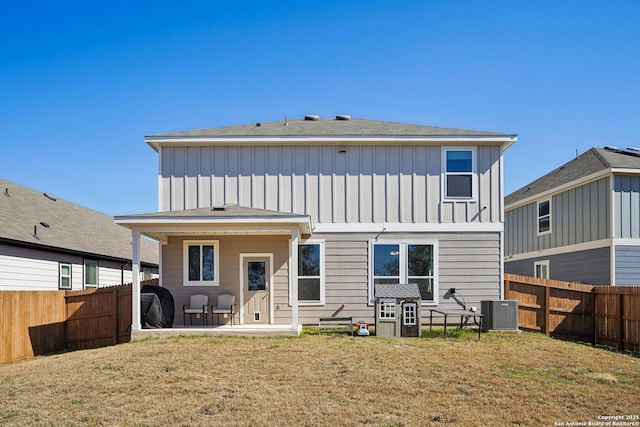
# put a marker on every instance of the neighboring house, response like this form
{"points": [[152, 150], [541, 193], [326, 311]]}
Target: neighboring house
{"points": [[580, 222], [47, 243], [300, 219]]}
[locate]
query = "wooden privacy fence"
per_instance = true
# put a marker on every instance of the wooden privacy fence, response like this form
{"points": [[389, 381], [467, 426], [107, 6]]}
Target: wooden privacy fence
{"points": [[607, 315], [41, 322]]}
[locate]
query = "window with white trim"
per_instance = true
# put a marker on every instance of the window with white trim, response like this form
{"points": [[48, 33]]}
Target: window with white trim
{"points": [[544, 217], [201, 263], [459, 166], [405, 262], [387, 309], [64, 276], [541, 269], [409, 313], [311, 273], [90, 273]]}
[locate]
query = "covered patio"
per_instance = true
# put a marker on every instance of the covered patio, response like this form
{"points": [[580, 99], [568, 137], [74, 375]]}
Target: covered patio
{"points": [[249, 253]]}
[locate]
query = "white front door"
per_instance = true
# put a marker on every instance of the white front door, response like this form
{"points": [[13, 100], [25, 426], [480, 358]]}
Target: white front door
{"points": [[256, 283]]}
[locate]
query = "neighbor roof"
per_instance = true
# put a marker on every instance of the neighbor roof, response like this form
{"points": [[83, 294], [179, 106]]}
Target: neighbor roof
{"points": [[592, 161], [69, 227], [408, 291], [328, 128]]}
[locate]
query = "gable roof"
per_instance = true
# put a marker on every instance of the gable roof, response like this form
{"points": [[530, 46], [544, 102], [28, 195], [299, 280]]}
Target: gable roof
{"points": [[38, 220], [334, 129], [592, 161], [408, 291]]}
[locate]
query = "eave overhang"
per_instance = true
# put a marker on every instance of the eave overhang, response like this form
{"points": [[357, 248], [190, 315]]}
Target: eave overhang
{"points": [[160, 227], [157, 142]]}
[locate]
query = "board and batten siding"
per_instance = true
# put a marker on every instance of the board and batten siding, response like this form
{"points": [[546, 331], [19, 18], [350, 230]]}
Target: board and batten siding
{"points": [[578, 215], [469, 262], [365, 184], [230, 248], [627, 206]]}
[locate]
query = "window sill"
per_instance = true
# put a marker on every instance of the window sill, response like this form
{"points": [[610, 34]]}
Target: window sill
{"points": [[201, 284]]}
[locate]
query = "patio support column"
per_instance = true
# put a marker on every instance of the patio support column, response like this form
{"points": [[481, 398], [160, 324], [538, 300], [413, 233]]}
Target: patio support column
{"points": [[294, 279], [135, 288]]}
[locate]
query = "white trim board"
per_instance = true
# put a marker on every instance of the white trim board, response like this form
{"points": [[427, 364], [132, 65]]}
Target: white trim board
{"points": [[493, 227], [604, 243]]}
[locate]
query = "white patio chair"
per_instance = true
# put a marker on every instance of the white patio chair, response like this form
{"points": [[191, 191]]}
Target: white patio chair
{"points": [[225, 305], [197, 305]]}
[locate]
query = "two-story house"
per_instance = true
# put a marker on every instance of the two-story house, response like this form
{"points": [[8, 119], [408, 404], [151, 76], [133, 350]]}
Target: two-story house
{"points": [[580, 222], [300, 219]]}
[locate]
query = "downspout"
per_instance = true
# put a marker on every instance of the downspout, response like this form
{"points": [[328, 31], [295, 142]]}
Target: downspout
{"points": [[294, 279], [502, 221]]}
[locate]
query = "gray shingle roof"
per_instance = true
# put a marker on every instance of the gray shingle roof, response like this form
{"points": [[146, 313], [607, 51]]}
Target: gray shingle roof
{"points": [[328, 127], [592, 161], [71, 227], [226, 211], [408, 291]]}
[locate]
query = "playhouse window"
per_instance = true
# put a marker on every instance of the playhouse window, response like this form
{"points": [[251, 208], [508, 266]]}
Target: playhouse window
{"points": [[409, 313], [387, 309], [201, 263]]}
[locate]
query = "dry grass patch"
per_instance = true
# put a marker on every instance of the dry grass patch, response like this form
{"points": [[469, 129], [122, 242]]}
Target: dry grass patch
{"points": [[525, 379]]}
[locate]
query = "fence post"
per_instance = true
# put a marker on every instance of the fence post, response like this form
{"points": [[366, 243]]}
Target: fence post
{"points": [[621, 324], [547, 298]]}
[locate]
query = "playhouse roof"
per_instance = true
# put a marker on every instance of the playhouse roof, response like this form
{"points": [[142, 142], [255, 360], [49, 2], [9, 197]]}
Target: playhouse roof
{"points": [[406, 291]]}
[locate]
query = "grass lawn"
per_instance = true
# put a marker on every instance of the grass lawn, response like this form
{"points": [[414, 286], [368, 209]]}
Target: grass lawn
{"points": [[503, 379]]}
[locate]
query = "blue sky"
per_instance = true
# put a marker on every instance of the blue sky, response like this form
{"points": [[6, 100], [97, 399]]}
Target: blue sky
{"points": [[82, 82]]}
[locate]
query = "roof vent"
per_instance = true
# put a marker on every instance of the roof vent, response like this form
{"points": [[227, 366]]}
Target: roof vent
{"points": [[312, 117], [44, 224], [343, 117], [219, 208], [49, 196], [258, 124], [6, 191]]}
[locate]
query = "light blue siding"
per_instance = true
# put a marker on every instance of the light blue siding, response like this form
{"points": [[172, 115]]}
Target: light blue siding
{"points": [[590, 266], [627, 265], [627, 206]]}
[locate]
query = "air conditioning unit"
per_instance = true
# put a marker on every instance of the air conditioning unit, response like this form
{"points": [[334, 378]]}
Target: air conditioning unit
{"points": [[499, 315]]}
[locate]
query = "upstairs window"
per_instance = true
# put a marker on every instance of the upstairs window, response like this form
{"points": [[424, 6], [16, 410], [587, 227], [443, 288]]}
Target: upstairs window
{"points": [[459, 172], [201, 265], [544, 217]]}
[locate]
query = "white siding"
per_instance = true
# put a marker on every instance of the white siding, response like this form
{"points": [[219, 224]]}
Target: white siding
{"points": [[365, 184], [32, 269]]}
